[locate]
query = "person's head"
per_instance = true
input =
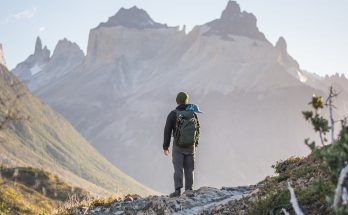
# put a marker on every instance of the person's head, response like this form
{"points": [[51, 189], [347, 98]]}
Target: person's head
{"points": [[182, 98]]}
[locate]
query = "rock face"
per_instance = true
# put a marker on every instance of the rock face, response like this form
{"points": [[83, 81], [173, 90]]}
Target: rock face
{"points": [[251, 92], [235, 22], [2, 56]]}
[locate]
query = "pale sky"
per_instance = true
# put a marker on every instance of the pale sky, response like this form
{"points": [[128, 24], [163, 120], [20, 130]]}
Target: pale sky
{"points": [[316, 30]]}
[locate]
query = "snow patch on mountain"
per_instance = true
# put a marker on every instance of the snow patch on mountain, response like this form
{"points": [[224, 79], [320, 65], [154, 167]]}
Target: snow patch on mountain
{"points": [[35, 69]]}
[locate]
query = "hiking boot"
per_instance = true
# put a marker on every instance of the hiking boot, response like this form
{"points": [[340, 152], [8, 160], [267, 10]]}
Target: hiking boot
{"points": [[189, 193], [176, 193]]}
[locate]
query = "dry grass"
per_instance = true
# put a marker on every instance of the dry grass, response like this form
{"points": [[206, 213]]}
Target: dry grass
{"points": [[87, 203]]}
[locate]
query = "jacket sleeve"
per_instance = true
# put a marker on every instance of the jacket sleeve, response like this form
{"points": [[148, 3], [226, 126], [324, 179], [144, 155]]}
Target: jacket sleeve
{"points": [[168, 129], [198, 130]]}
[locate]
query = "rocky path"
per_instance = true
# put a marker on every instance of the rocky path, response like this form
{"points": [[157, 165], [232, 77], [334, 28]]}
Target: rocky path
{"points": [[196, 202]]}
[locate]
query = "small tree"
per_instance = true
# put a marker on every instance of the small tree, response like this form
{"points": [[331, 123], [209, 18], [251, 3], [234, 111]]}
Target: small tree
{"points": [[329, 103], [320, 124]]}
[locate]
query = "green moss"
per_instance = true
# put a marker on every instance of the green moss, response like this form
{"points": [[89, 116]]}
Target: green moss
{"points": [[272, 203]]}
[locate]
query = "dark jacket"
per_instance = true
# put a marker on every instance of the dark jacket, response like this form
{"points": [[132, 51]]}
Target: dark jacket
{"points": [[170, 127]]}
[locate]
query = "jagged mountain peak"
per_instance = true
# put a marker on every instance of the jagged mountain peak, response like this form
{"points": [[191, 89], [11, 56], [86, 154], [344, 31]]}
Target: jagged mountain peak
{"points": [[39, 52], [65, 53], [38, 46], [235, 22], [336, 76], [281, 45], [231, 9], [65, 44], [133, 17]]}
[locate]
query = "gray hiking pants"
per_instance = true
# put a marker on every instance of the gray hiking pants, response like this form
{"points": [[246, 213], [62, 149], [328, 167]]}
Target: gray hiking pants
{"points": [[183, 161]]}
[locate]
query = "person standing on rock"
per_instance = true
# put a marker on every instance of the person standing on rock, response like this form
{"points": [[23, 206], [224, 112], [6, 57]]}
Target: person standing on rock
{"points": [[184, 125]]}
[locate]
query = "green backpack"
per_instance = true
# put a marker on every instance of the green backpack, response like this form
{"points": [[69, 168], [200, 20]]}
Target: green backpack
{"points": [[186, 133]]}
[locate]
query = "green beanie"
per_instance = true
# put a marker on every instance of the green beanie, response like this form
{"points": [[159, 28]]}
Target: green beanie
{"points": [[182, 98]]}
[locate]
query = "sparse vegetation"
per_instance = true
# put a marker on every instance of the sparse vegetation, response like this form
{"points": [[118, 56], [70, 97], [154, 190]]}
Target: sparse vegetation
{"points": [[86, 204], [33, 191]]}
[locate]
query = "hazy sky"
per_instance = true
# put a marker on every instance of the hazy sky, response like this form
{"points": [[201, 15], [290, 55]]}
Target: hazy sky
{"points": [[316, 30]]}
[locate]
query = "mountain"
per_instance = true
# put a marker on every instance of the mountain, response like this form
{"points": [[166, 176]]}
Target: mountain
{"points": [[65, 58], [251, 91], [2, 56], [34, 63], [47, 141], [235, 22]]}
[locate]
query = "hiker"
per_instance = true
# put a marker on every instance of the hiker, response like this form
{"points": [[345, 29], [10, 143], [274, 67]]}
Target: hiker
{"points": [[184, 125]]}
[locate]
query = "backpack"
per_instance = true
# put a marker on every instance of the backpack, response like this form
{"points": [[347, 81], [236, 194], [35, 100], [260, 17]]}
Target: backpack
{"points": [[186, 133]]}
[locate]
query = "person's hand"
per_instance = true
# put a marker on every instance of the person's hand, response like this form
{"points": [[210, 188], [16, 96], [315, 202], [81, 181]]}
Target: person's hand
{"points": [[166, 152]]}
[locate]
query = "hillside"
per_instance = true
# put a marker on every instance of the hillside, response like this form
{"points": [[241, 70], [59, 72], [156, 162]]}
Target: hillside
{"points": [[47, 141], [33, 191]]}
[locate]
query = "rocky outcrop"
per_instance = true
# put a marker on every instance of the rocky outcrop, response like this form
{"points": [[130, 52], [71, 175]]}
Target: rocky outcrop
{"points": [[107, 44], [235, 22], [2, 56]]}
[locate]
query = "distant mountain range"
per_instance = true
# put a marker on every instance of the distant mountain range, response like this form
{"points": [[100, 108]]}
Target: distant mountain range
{"points": [[118, 96], [47, 141]]}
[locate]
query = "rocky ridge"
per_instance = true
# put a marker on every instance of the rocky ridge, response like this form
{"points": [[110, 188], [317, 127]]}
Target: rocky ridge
{"points": [[192, 202]]}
